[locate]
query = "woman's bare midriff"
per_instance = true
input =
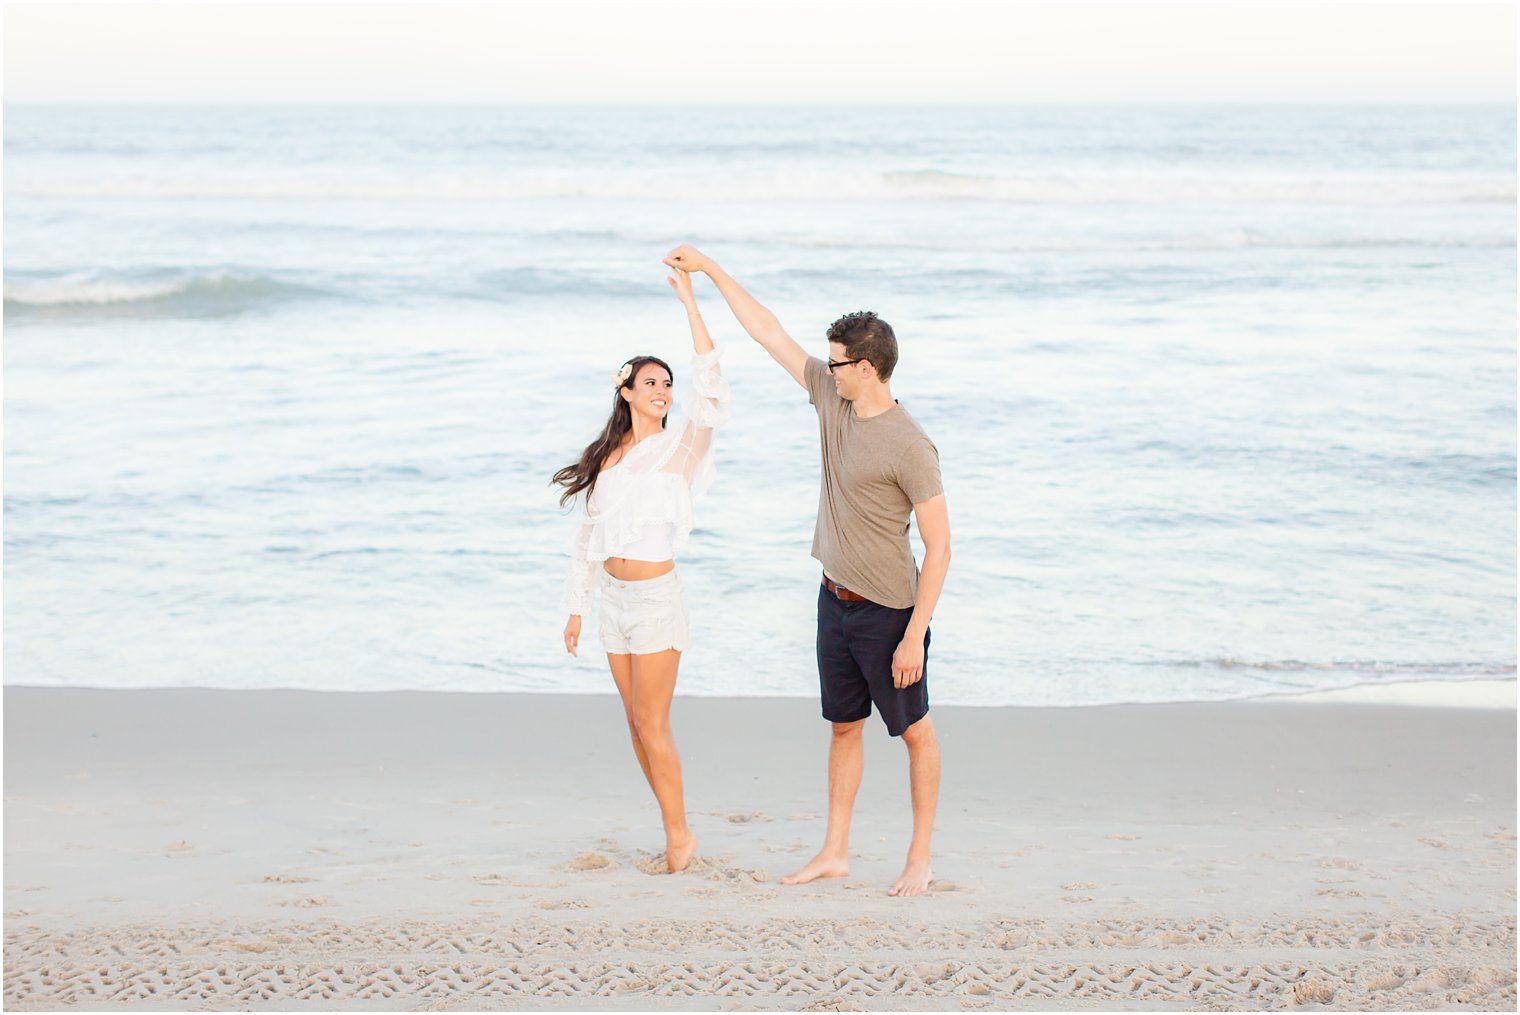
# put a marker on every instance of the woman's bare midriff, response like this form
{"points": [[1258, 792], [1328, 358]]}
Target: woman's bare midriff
{"points": [[625, 570]]}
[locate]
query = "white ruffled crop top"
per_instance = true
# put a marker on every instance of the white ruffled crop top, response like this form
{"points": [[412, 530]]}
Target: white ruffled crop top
{"points": [[641, 507]]}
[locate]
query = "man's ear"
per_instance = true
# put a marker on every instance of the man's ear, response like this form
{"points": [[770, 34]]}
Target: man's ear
{"points": [[870, 370]]}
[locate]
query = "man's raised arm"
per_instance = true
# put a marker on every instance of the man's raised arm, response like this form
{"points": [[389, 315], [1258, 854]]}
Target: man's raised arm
{"points": [[755, 319]]}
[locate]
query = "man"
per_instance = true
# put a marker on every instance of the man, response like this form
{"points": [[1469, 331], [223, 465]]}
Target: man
{"points": [[873, 604]]}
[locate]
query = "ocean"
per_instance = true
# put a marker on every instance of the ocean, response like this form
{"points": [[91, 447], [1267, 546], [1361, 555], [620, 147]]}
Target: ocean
{"points": [[1224, 395]]}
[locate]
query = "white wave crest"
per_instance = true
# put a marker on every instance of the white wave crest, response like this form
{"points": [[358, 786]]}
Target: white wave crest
{"points": [[89, 292], [1373, 666], [1225, 239], [785, 185], [198, 290]]}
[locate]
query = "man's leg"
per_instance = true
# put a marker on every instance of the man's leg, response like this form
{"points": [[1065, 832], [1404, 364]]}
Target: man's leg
{"points": [[923, 781], [905, 711], [846, 703], [846, 761]]}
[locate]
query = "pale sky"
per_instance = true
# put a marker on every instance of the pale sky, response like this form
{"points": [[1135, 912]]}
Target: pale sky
{"points": [[747, 52]]}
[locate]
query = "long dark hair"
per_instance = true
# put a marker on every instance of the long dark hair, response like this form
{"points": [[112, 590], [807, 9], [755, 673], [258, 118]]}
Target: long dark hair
{"points": [[582, 475]]}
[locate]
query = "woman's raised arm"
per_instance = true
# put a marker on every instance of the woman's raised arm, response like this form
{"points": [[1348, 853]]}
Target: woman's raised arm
{"points": [[701, 341]]}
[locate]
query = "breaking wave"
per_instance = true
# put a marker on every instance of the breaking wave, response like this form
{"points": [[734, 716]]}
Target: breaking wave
{"points": [[198, 294]]}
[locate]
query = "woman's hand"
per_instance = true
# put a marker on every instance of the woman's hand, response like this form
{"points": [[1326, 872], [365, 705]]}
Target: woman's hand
{"points": [[572, 634], [681, 283]]}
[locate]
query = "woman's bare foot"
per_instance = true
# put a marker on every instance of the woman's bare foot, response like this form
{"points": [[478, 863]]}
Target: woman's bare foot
{"points": [[915, 879], [678, 855], [824, 865]]}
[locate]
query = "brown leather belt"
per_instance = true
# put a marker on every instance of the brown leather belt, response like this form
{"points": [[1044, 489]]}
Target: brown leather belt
{"points": [[843, 593]]}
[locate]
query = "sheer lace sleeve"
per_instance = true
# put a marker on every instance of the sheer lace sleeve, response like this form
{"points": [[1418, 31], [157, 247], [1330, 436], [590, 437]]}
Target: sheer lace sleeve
{"points": [[577, 598], [707, 401], [706, 407]]}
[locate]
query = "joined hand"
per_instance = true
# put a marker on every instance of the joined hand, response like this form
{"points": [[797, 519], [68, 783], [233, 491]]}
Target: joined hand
{"points": [[687, 258]]}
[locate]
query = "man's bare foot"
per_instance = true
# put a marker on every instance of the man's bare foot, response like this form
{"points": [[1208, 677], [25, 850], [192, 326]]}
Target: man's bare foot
{"points": [[915, 879], [678, 856], [824, 865]]}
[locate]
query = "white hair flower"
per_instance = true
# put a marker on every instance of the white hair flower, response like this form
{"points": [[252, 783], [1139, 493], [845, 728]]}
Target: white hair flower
{"points": [[621, 377]]}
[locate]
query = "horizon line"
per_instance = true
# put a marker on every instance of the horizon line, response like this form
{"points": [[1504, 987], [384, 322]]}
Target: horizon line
{"points": [[755, 102]]}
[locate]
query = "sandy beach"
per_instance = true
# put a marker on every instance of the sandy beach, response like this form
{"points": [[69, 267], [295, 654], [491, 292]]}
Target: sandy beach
{"points": [[201, 849]]}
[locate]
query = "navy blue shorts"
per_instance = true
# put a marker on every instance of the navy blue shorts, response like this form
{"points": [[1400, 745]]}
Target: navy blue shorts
{"points": [[855, 646]]}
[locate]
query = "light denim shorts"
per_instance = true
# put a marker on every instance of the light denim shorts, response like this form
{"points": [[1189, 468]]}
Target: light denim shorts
{"points": [[642, 617]]}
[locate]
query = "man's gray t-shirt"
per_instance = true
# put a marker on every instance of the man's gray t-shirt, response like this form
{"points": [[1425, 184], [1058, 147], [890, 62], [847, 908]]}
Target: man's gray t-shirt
{"points": [[874, 471]]}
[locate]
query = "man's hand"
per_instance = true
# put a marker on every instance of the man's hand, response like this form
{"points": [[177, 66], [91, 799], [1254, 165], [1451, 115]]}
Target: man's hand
{"points": [[908, 661], [688, 258], [573, 634]]}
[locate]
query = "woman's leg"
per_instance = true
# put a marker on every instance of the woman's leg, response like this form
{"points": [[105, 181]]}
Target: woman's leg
{"points": [[654, 683], [622, 676]]}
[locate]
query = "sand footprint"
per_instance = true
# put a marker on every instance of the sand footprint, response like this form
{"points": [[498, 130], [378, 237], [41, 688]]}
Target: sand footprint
{"points": [[744, 819], [562, 904], [705, 867], [656, 864], [1077, 886], [1313, 992], [1341, 863], [589, 862]]}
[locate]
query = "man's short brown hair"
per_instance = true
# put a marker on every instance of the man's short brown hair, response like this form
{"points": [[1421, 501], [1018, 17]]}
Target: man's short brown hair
{"points": [[866, 336]]}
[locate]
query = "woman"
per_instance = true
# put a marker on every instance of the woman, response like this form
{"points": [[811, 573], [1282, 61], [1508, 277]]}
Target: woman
{"points": [[634, 486]]}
